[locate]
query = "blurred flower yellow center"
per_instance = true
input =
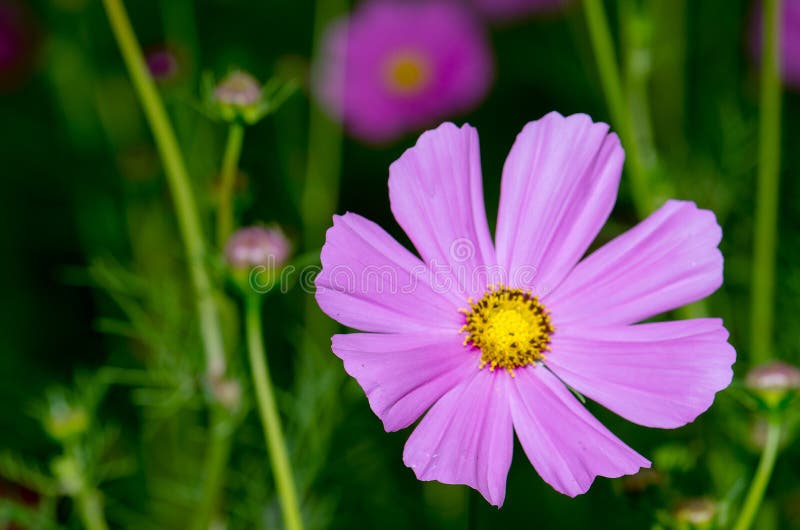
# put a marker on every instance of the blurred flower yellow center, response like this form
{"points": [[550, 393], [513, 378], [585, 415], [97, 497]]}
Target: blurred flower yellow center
{"points": [[407, 72], [510, 327]]}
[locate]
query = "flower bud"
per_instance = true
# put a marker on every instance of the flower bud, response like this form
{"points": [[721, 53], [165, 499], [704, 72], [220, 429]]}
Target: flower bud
{"points": [[255, 254], [64, 421], [695, 513], [239, 89], [228, 392], [774, 383], [163, 64], [257, 245]]}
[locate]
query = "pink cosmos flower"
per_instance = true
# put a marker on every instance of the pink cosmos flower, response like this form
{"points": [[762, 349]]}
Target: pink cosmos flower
{"points": [[395, 67], [511, 9], [790, 39], [486, 335]]}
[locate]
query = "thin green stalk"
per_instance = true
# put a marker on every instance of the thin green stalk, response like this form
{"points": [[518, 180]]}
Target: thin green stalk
{"points": [[90, 508], [628, 101], [611, 81], [766, 214], [323, 170], [230, 167], [216, 460], [321, 190], [270, 420], [190, 228], [761, 479], [179, 183]]}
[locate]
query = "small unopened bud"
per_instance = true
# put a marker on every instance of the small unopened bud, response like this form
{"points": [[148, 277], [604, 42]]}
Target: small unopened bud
{"points": [[257, 245], [774, 376], [228, 392], [774, 383], [238, 89], [65, 421], [163, 64], [698, 513]]}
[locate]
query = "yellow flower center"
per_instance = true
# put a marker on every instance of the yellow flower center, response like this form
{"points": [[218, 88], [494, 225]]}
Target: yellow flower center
{"points": [[510, 327], [407, 73]]}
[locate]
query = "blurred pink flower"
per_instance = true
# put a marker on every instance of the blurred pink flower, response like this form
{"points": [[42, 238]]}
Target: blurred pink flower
{"points": [[790, 40], [486, 335], [163, 64], [505, 10], [393, 67]]}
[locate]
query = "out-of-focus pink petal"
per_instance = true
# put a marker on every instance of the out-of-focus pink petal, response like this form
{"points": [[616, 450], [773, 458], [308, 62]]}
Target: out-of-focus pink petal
{"points": [[668, 260], [662, 374], [564, 442], [559, 185], [466, 437], [790, 39], [436, 193], [370, 282], [350, 75], [404, 374]]}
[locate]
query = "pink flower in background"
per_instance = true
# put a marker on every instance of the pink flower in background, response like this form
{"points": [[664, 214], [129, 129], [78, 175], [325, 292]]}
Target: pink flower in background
{"points": [[163, 64], [790, 40], [394, 67], [511, 9], [481, 337]]}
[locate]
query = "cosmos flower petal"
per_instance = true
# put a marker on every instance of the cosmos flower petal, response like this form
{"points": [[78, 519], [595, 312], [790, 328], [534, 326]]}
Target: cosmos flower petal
{"points": [[404, 374], [660, 374], [467, 437], [564, 442], [372, 283], [668, 260], [436, 192], [559, 185]]}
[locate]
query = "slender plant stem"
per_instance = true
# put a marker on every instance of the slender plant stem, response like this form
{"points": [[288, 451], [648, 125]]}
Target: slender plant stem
{"points": [[216, 460], [766, 215], [321, 192], [179, 183], [270, 419], [323, 170], [230, 167], [191, 232], [611, 81], [90, 507], [759, 485]]}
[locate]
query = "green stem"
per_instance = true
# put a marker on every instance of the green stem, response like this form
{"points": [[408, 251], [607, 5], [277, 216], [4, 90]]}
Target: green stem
{"points": [[321, 188], [611, 81], [191, 232], [178, 179], [216, 460], [766, 214], [90, 507], [759, 485], [230, 166], [270, 420]]}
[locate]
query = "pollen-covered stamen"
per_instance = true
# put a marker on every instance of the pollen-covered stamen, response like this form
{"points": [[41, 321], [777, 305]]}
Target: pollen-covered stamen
{"points": [[510, 327], [407, 72]]}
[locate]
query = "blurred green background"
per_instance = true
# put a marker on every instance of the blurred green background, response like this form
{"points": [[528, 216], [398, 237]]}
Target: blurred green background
{"points": [[89, 239]]}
